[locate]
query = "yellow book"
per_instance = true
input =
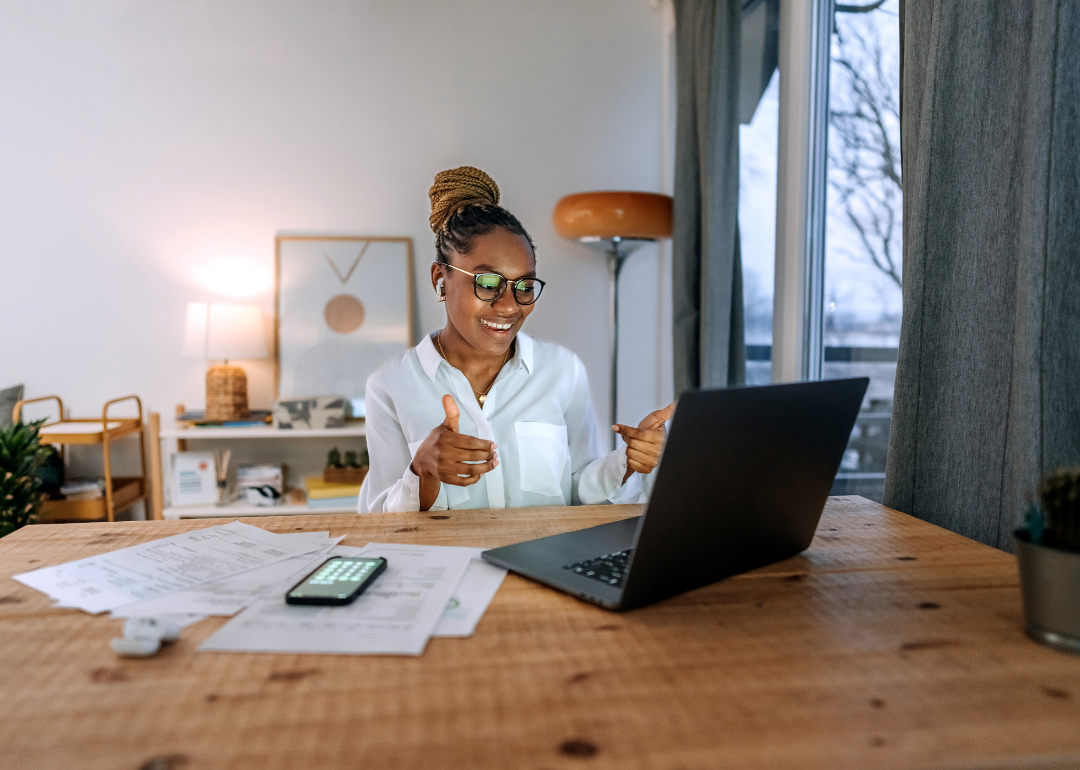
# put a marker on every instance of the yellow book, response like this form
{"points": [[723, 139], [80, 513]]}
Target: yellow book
{"points": [[317, 489]]}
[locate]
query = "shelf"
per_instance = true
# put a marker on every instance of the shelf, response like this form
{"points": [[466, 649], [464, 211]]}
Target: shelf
{"points": [[87, 431], [126, 492], [241, 508], [269, 432]]}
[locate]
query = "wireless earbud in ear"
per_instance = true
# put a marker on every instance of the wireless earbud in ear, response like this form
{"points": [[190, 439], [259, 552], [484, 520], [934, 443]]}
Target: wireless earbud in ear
{"points": [[440, 291]]}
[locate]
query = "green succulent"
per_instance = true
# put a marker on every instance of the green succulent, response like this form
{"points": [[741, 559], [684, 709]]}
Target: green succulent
{"points": [[1060, 495], [334, 458], [350, 459], [21, 454]]}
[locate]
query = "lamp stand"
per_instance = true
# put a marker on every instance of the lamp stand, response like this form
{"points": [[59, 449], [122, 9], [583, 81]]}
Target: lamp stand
{"points": [[226, 393], [616, 250]]}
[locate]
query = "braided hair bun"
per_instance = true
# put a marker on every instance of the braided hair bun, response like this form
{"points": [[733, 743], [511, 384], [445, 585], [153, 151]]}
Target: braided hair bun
{"points": [[458, 187], [464, 206]]}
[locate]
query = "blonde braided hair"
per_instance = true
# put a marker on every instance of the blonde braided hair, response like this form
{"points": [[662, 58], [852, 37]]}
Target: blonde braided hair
{"points": [[456, 188]]}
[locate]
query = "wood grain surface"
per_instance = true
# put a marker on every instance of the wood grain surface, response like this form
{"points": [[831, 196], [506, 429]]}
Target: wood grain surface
{"points": [[889, 643]]}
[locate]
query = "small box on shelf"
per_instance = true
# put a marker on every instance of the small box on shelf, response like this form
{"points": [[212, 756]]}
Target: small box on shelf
{"points": [[316, 412], [261, 484]]}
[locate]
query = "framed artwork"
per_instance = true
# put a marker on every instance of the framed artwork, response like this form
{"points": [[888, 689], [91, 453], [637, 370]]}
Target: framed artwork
{"points": [[343, 306]]}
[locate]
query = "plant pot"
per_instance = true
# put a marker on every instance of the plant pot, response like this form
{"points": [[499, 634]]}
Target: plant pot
{"points": [[345, 475], [1050, 580]]}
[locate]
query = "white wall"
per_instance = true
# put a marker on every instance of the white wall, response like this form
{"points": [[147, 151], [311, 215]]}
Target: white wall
{"points": [[147, 147]]}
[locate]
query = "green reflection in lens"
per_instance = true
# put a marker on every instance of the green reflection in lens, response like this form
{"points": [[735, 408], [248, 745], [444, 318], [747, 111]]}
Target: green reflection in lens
{"points": [[488, 281]]}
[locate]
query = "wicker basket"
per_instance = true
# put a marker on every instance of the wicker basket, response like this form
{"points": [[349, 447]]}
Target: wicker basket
{"points": [[344, 475], [226, 393]]}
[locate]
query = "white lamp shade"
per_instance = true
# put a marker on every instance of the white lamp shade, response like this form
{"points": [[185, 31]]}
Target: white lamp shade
{"points": [[220, 331]]}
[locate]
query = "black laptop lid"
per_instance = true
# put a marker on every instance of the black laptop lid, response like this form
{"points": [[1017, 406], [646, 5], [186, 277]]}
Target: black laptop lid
{"points": [[743, 481]]}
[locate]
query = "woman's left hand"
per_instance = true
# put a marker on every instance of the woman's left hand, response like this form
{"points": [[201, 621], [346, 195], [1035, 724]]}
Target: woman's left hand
{"points": [[645, 443]]}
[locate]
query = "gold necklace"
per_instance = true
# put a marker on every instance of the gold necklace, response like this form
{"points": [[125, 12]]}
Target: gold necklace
{"points": [[480, 397]]}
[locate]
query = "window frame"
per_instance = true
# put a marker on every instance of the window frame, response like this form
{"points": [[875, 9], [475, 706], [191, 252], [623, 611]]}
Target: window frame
{"points": [[802, 158]]}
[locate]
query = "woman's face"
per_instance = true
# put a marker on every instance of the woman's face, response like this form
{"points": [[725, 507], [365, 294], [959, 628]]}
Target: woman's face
{"points": [[489, 327]]}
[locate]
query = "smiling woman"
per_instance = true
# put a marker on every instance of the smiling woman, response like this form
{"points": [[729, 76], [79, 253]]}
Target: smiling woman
{"points": [[480, 401]]}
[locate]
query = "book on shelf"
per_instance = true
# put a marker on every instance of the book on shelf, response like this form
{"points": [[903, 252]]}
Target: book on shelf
{"points": [[334, 502], [256, 418], [83, 489], [317, 489]]}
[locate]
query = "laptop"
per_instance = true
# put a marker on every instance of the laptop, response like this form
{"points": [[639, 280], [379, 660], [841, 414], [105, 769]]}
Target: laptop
{"points": [[743, 482]]}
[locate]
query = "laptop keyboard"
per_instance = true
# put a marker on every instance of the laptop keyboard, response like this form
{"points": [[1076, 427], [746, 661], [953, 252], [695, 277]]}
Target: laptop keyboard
{"points": [[608, 568]]}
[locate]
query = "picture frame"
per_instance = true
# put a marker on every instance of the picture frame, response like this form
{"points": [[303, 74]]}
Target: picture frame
{"points": [[343, 305]]}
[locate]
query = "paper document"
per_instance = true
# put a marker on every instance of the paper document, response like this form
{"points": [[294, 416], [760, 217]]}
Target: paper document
{"points": [[230, 595], [471, 597], [395, 616], [160, 567]]}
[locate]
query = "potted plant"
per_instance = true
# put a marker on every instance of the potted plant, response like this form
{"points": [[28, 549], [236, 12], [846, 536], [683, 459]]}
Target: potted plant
{"points": [[1049, 553], [351, 472], [21, 455]]}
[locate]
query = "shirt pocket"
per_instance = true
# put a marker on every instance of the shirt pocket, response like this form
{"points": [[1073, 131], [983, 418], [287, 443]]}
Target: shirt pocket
{"points": [[455, 496], [542, 456]]}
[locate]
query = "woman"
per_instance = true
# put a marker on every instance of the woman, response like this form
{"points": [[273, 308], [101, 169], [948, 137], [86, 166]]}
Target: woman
{"points": [[479, 415]]}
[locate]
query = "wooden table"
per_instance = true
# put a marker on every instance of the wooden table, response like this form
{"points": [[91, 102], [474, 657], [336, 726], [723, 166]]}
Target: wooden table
{"points": [[889, 643]]}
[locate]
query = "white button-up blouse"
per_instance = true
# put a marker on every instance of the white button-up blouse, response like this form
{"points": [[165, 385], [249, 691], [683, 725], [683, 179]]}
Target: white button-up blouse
{"points": [[538, 412]]}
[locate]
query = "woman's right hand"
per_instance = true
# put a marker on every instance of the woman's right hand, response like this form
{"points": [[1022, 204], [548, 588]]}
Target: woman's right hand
{"points": [[441, 459]]}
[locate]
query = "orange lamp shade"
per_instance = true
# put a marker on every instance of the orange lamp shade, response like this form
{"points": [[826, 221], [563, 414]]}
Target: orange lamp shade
{"points": [[613, 215]]}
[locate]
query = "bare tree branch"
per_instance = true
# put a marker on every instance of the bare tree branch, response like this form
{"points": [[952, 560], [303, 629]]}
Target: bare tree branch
{"points": [[860, 8], [864, 152]]}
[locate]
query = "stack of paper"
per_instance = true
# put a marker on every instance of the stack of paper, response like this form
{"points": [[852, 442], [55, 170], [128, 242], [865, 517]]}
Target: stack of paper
{"points": [[161, 567], [425, 591], [230, 595]]}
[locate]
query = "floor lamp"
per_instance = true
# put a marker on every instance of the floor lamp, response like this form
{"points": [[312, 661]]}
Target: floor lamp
{"points": [[614, 224]]}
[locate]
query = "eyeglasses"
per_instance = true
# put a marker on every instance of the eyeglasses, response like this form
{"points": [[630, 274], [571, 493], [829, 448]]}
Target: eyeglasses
{"points": [[490, 286]]}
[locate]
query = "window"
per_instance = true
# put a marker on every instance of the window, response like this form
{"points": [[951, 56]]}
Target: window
{"points": [[862, 302], [757, 229]]}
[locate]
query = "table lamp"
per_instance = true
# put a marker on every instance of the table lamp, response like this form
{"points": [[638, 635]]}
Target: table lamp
{"points": [[219, 331], [614, 224]]}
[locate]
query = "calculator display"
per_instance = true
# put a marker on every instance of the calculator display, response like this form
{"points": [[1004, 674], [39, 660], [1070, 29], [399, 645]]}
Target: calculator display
{"points": [[337, 578]]}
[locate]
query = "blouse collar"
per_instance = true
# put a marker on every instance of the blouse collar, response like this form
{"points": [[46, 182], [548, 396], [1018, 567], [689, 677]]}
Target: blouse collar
{"points": [[430, 359]]}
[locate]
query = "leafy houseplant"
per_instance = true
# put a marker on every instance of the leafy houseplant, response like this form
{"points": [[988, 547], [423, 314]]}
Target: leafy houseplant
{"points": [[21, 454], [1049, 553], [1060, 495]]}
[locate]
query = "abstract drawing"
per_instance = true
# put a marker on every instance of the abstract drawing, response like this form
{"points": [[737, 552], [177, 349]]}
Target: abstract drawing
{"points": [[344, 306]]}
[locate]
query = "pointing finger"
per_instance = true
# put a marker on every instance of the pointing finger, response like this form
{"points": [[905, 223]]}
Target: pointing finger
{"points": [[639, 434], [623, 430], [656, 420], [665, 414]]}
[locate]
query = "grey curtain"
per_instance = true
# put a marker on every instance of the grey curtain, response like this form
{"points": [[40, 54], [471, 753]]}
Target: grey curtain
{"points": [[988, 378], [709, 345]]}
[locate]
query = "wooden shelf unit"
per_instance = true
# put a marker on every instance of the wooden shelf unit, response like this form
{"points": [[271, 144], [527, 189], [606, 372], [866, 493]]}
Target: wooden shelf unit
{"points": [[177, 431], [175, 437], [241, 508], [121, 492]]}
